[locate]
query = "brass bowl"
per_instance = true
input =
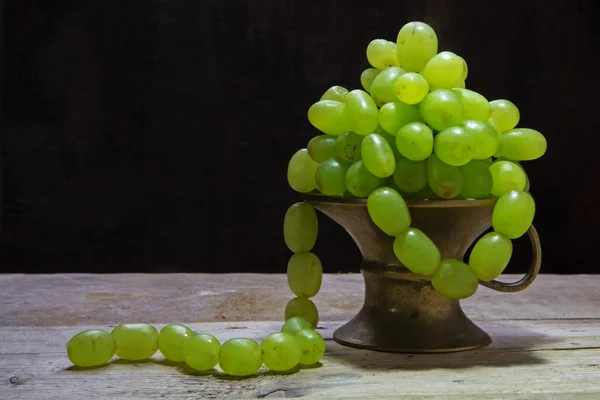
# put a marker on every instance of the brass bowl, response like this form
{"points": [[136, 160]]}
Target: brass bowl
{"points": [[402, 312]]}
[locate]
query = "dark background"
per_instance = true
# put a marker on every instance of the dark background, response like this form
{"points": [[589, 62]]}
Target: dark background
{"points": [[154, 135]]}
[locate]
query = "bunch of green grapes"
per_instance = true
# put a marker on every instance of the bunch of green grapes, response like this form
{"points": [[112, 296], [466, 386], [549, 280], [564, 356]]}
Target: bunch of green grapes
{"points": [[297, 343], [414, 130]]}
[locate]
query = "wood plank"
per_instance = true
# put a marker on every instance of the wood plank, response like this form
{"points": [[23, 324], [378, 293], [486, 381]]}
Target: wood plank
{"points": [[526, 361], [75, 299]]}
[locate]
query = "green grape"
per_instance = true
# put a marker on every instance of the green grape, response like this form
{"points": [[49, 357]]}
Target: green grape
{"points": [[454, 146], [322, 148], [460, 85], [170, 340], [296, 324], [382, 88], [377, 156], [362, 112], [391, 139], [304, 274], [360, 182], [507, 176], [347, 146], [486, 138], [466, 70], [301, 172], [416, 44], [487, 161], [312, 346], [201, 351], [135, 341], [367, 77], [331, 177], [505, 115], [388, 211], [240, 357], [300, 227], [442, 109], [280, 351], [476, 106], [337, 93], [455, 279], [302, 307], [417, 252], [91, 348], [411, 88], [394, 115], [527, 183], [522, 144], [445, 70], [513, 213], [445, 180], [425, 193], [410, 176], [381, 53], [329, 116], [490, 256], [477, 180], [415, 141]]}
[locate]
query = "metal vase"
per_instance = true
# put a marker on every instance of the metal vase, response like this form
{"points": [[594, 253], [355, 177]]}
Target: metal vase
{"points": [[402, 312]]}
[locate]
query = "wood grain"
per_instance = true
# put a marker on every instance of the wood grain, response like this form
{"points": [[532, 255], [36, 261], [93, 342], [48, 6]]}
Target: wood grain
{"points": [[75, 299], [546, 340], [524, 357]]}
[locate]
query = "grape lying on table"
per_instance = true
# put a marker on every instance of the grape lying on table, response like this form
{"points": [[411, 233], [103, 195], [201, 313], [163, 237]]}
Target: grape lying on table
{"points": [[416, 130], [296, 343]]}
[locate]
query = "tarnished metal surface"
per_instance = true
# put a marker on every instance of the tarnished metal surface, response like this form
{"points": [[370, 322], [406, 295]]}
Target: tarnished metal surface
{"points": [[402, 312]]}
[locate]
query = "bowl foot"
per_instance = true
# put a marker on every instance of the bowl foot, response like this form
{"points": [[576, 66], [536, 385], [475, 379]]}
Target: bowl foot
{"points": [[372, 330]]}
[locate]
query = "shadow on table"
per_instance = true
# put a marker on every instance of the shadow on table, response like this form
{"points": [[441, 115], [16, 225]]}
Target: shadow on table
{"points": [[511, 346], [186, 370]]}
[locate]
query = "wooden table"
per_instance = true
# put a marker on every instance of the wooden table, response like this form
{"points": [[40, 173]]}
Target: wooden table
{"points": [[546, 340]]}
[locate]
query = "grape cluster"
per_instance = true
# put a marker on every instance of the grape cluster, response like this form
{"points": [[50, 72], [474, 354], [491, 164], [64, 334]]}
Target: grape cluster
{"points": [[415, 131], [297, 343]]}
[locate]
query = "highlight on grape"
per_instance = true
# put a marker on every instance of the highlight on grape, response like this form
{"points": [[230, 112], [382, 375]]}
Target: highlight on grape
{"points": [[414, 130]]}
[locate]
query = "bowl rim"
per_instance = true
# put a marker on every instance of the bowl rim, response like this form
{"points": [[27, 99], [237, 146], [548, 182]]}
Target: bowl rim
{"points": [[411, 203]]}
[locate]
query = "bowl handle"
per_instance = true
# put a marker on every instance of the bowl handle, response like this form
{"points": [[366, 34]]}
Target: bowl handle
{"points": [[528, 279]]}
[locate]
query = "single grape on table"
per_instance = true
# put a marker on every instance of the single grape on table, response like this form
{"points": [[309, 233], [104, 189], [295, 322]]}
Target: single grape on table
{"points": [[240, 357], [91, 348], [170, 341], [135, 341], [312, 346], [201, 351], [281, 351]]}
